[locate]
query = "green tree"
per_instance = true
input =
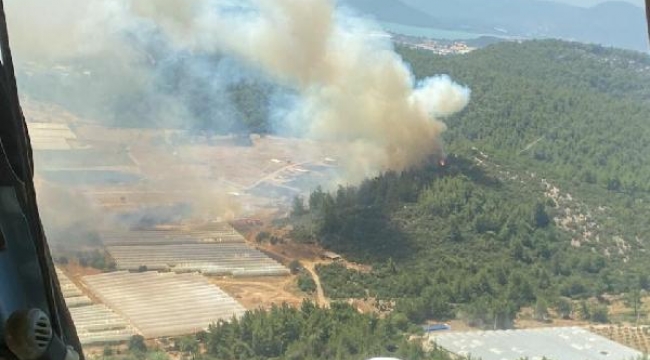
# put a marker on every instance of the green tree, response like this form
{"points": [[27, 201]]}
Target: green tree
{"points": [[108, 351], [298, 207], [189, 345], [455, 235], [261, 236], [137, 344], [306, 283], [584, 311], [541, 310], [600, 314], [633, 300], [564, 308]]}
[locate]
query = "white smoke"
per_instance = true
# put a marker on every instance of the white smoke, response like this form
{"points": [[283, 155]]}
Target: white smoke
{"points": [[352, 87]]}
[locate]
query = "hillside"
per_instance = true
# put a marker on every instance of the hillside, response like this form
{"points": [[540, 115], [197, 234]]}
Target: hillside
{"points": [[554, 89], [392, 11], [544, 199], [573, 114], [612, 23]]}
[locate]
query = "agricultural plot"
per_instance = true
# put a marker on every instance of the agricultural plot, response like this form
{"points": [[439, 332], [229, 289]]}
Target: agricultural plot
{"points": [[82, 159], [95, 323], [51, 136], [218, 251], [164, 304], [171, 237], [211, 259]]}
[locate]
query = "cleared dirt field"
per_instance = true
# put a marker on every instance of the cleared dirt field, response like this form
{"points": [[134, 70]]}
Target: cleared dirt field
{"points": [[262, 292], [75, 271], [290, 250]]}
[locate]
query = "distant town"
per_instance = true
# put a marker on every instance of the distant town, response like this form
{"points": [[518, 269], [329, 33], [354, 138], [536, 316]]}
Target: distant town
{"points": [[440, 47]]}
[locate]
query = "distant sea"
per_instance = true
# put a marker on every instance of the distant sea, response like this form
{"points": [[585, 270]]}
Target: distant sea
{"points": [[432, 33]]}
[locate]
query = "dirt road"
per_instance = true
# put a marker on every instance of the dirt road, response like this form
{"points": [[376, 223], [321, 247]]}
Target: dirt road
{"points": [[321, 300], [308, 259]]}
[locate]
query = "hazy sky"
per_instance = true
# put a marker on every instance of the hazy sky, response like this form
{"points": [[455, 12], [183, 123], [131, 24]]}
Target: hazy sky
{"points": [[587, 3]]}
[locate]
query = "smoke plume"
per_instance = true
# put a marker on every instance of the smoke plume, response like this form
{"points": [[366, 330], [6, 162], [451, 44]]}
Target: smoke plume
{"points": [[335, 76], [310, 69], [353, 88]]}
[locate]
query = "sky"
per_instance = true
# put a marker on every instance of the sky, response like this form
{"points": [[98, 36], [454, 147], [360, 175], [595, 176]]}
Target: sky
{"points": [[587, 3]]}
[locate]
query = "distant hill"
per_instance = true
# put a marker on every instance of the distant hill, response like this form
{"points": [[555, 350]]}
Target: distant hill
{"points": [[613, 23], [392, 11]]}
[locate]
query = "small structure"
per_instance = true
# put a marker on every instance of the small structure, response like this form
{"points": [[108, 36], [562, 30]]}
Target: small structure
{"points": [[328, 255], [566, 343], [436, 327]]}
